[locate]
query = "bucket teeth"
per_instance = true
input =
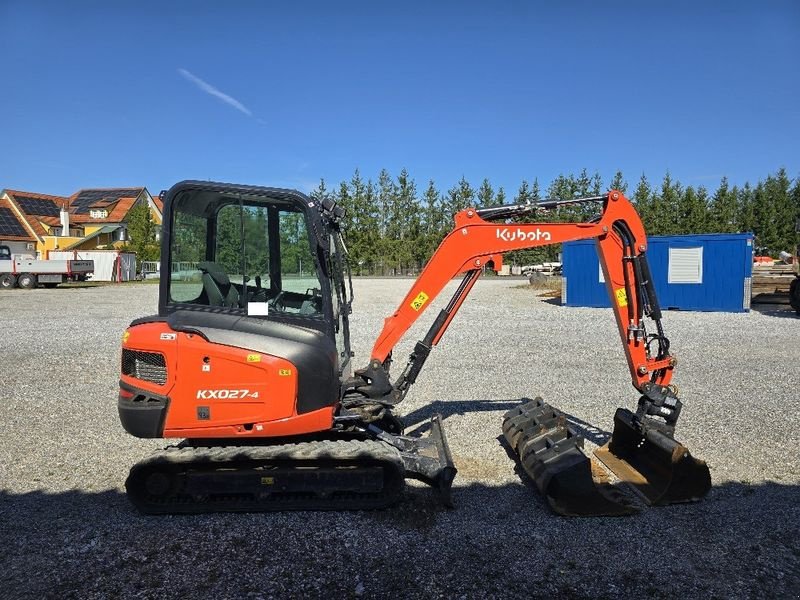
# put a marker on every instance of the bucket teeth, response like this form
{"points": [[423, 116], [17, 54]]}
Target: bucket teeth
{"points": [[661, 469], [552, 455]]}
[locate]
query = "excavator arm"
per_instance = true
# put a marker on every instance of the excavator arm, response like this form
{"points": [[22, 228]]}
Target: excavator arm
{"points": [[642, 450], [479, 241]]}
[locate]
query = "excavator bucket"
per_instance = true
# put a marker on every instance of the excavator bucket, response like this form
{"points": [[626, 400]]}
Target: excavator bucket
{"points": [[552, 455], [661, 469]]}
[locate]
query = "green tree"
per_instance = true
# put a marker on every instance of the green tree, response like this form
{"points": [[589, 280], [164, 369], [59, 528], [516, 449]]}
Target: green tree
{"points": [[320, 192], [618, 183], [779, 194], [486, 194], [722, 211], [745, 209], [524, 195], [405, 223], [766, 220], [500, 197], [692, 209], [796, 204], [643, 200], [436, 222], [142, 233]]}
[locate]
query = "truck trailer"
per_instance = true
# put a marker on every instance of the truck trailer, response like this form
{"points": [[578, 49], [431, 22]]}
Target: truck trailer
{"points": [[28, 272]]}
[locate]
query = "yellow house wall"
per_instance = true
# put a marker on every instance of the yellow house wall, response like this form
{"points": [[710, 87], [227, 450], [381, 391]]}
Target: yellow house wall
{"points": [[90, 229], [52, 242], [104, 239]]}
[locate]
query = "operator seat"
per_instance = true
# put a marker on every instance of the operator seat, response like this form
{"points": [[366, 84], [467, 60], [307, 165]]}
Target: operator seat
{"points": [[217, 285]]}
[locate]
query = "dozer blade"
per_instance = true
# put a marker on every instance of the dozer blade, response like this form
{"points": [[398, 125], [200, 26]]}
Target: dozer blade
{"points": [[552, 455], [661, 469], [429, 460]]}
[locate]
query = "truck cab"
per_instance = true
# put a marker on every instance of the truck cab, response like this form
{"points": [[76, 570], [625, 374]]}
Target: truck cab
{"points": [[5, 253]]}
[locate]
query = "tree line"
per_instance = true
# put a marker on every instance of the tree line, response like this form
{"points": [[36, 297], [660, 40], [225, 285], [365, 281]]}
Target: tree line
{"points": [[392, 226]]}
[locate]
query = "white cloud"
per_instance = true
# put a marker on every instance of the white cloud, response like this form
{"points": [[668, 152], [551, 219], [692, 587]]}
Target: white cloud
{"points": [[211, 90]]}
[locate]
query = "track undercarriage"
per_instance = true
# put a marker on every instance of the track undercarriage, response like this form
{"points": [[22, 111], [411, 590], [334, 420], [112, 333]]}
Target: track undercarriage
{"points": [[328, 474]]}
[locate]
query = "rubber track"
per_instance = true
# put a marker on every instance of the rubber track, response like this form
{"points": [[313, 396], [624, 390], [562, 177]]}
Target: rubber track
{"points": [[243, 466]]}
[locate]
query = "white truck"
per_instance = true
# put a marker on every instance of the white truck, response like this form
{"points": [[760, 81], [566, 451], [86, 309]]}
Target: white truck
{"points": [[28, 272]]}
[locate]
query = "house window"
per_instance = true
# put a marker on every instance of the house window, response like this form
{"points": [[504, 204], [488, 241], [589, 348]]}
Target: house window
{"points": [[685, 265], [98, 214]]}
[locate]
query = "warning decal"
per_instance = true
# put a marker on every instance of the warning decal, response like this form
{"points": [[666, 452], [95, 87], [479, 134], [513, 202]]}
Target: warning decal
{"points": [[622, 297], [419, 301]]}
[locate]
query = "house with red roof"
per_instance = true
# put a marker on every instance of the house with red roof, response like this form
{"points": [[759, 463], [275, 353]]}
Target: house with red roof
{"points": [[89, 219]]}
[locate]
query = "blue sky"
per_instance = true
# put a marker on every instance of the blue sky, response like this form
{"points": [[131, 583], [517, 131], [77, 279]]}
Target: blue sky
{"points": [[277, 93]]}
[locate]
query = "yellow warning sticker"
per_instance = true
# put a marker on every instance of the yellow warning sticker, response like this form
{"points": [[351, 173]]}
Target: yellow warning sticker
{"points": [[622, 297], [284, 372], [419, 301], [253, 358], [125, 336]]}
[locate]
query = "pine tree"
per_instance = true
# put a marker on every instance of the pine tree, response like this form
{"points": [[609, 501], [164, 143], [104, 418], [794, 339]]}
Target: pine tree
{"points": [[702, 210], [745, 210], [796, 204], [460, 196], [643, 199], [524, 195], [766, 216], [407, 215], [722, 212], [667, 207], [618, 183], [778, 189], [486, 194], [691, 211], [500, 198], [321, 191], [435, 220]]}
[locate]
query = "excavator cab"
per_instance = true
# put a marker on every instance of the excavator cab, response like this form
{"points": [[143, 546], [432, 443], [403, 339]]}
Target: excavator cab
{"points": [[268, 254]]}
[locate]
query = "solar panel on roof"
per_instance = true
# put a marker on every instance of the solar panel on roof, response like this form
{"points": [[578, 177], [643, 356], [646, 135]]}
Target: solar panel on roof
{"points": [[38, 206], [86, 198], [9, 225]]}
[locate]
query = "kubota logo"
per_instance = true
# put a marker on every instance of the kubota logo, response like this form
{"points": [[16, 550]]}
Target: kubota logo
{"points": [[225, 394], [508, 235]]}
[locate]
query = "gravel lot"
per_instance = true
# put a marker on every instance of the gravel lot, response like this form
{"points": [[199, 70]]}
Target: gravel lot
{"points": [[67, 530]]}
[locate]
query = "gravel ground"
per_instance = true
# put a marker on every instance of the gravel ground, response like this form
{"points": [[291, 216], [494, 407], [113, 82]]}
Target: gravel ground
{"points": [[67, 530]]}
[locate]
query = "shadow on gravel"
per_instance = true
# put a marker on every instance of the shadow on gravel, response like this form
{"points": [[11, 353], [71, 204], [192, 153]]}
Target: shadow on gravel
{"points": [[776, 310], [422, 416], [499, 541]]}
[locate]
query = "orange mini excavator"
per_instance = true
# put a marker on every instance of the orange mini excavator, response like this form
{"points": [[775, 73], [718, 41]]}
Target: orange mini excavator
{"points": [[248, 361]]}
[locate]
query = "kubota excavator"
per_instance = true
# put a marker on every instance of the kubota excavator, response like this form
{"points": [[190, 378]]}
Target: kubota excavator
{"points": [[248, 361]]}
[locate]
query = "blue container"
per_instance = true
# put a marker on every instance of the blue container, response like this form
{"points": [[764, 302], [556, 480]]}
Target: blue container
{"points": [[691, 272]]}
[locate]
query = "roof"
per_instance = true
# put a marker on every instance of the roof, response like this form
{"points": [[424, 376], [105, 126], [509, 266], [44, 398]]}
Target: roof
{"points": [[38, 208], [83, 201], [40, 205], [11, 228], [101, 231]]}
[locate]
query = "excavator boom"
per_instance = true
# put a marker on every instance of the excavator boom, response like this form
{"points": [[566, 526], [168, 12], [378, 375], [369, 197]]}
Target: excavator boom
{"points": [[642, 450]]}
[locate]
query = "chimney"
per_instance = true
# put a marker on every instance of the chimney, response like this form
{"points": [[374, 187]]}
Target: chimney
{"points": [[64, 221]]}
